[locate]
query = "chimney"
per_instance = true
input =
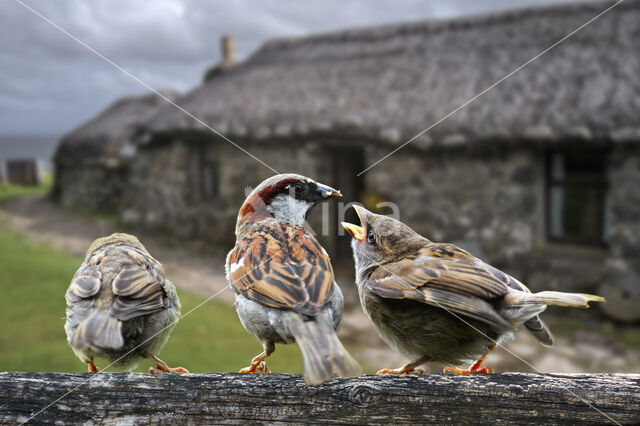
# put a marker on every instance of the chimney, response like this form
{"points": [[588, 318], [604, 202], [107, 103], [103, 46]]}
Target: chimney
{"points": [[228, 52], [228, 61]]}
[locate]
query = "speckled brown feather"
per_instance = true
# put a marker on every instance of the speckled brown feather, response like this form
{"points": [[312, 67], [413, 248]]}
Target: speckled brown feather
{"points": [[120, 280], [446, 276], [282, 266]]}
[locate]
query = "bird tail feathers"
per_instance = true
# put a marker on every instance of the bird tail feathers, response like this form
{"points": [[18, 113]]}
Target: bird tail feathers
{"points": [[521, 306], [557, 298], [99, 330], [323, 353], [540, 331]]}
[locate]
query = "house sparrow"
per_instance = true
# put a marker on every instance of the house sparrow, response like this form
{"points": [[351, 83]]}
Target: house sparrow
{"points": [[120, 305], [283, 279], [434, 302]]}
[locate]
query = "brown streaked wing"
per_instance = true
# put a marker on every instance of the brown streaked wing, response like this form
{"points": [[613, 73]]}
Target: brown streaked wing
{"points": [[81, 294], [462, 284], [282, 267], [460, 272], [136, 281], [451, 251], [139, 290], [392, 287], [85, 284], [508, 279]]}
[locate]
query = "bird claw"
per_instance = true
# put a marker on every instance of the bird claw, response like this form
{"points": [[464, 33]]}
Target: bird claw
{"points": [[162, 366], [475, 368], [92, 367], [468, 371], [263, 368], [401, 371], [164, 369], [260, 367]]}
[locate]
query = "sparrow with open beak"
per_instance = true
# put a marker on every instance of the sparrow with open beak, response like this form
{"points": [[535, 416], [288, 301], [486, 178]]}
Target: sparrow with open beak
{"points": [[283, 279], [435, 302], [120, 305]]}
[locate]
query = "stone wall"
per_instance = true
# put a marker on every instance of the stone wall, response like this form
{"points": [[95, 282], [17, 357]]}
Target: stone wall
{"points": [[160, 192], [492, 204], [625, 205], [90, 187], [165, 189], [621, 284]]}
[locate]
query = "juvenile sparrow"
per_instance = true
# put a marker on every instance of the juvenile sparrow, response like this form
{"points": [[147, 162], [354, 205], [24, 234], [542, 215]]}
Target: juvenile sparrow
{"points": [[283, 279], [120, 305], [434, 302]]}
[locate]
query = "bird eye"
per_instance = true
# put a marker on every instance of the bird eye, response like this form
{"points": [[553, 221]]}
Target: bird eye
{"points": [[297, 188], [371, 239]]}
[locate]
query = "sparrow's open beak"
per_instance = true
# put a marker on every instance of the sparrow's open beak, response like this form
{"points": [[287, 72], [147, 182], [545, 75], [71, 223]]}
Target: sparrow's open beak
{"points": [[327, 192], [356, 231]]}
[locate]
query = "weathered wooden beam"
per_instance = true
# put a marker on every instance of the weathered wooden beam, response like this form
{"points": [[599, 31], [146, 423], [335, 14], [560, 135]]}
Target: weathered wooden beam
{"points": [[283, 398]]}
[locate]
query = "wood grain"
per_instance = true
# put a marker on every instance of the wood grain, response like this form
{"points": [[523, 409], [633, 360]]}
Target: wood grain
{"points": [[110, 398]]}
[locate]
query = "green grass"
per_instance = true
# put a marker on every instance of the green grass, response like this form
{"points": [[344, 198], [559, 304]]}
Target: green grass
{"points": [[9, 192], [631, 338], [33, 281], [212, 339]]}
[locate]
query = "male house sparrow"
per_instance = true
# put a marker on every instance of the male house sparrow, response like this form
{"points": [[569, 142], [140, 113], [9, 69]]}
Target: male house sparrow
{"points": [[283, 279], [120, 305], [434, 302]]}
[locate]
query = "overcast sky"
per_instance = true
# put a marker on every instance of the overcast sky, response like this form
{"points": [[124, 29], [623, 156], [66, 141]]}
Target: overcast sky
{"points": [[49, 83]]}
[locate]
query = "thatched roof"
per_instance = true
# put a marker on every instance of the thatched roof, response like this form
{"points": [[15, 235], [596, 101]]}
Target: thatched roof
{"points": [[390, 82], [107, 137]]}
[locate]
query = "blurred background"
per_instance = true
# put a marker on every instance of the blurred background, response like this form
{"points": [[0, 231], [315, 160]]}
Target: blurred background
{"points": [[539, 176]]}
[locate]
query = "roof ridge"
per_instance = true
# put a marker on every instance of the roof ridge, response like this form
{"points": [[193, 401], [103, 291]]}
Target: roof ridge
{"points": [[382, 31]]}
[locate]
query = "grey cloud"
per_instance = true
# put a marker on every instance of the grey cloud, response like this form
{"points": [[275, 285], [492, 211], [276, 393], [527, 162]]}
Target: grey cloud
{"points": [[49, 83]]}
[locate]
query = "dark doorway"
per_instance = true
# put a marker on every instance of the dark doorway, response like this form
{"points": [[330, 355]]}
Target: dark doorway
{"points": [[345, 165], [22, 172]]}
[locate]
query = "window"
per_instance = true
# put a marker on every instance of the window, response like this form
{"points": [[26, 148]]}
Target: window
{"points": [[210, 173], [577, 197]]}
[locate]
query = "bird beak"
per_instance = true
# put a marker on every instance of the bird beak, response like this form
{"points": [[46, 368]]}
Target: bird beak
{"points": [[357, 232], [326, 191], [363, 214]]}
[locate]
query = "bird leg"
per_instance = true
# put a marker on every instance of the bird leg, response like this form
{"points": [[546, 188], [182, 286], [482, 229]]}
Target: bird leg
{"points": [[258, 363], [92, 367], [407, 369], [163, 367], [475, 368]]}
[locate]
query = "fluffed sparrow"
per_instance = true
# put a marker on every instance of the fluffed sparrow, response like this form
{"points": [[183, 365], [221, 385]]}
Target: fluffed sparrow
{"points": [[435, 302], [120, 305]]}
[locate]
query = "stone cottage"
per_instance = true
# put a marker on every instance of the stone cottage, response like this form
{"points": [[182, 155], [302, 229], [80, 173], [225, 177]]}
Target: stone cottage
{"points": [[91, 163], [539, 175]]}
